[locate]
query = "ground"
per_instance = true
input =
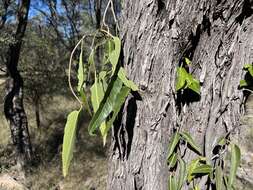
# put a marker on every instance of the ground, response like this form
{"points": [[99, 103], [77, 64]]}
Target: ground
{"points": [[88, 169]]}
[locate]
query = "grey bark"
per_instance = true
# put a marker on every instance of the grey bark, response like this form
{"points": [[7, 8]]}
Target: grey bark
{"points": [[157, 35]]}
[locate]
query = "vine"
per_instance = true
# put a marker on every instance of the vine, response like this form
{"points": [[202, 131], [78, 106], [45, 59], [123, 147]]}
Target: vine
{"points": [[105, 97]]}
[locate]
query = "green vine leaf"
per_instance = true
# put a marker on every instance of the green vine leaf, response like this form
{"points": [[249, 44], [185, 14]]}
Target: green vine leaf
{"points": [[172, 160], [173, 144], [130, 84], [69, 140], [172, 183], [182, 173], [112, 98], [187, 137], [115, 53], [194, 164], [249, 68], [235, 161], [202, 169], [218, 178], [243, 83], [80, 74]]}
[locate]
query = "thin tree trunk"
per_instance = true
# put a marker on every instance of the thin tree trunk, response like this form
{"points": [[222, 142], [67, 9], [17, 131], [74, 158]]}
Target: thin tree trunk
{"points": [[97, 7], [157, 35], [13, 105]]}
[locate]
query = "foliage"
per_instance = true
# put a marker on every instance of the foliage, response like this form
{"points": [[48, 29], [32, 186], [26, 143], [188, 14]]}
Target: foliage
{"points": [[106, 95], [185, 80], [200, 166], [248, 81]]}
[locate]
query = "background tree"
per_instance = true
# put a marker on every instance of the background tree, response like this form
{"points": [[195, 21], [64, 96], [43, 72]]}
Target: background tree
{"points": [[13, 105], [157, 36]]}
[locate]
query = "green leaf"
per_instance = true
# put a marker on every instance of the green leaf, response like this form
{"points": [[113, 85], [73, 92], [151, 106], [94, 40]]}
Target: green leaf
{"points": [[69, 140], [235, 161], [172, 160], [187, 137], [172, 183], [181, 78], [202, 169], [249, 68], [97, 94], [187, 61], [182, 173], [114, 54], [106, 106], [130, 84], [196, 187], [218, 178], [243, 83], [173, 144], [221, 141], [194, 85], [85, 101], [80, 74], [121, 97], [194, 164]]}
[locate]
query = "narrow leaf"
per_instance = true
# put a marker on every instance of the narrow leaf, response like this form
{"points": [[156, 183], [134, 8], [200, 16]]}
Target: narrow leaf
{"points": [[218, 178], [182, 173], [172, 160], [173, 144], [202, 169], [235, 161], [106, 106], [80, 74], [130, 84], [187, 137], [249, 68], [194, 164], [243, 83], [69, 140], [187, 61], [114, 55], [172, 183]]}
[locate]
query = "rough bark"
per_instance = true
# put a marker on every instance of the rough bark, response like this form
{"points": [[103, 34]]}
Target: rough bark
{"points": [[157, 35], [13, 105]]}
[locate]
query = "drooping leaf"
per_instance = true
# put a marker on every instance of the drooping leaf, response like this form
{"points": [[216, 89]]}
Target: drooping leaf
{"points": [[173, 144], [106, 106], [80, 74], [181, 78], [172, 160], [114, 54], [187, 137], [117, 106], [202, 169], [218, 178], [130, 84], [172, 183], [235, 161], [85, 101], [97, 94], [182, 173], [69, 140]]}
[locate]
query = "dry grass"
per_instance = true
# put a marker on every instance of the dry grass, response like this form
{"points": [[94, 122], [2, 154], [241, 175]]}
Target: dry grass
{"points": [[88, 169]]}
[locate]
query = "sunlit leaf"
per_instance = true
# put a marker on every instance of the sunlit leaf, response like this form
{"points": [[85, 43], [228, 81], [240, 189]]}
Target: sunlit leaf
{"points": [[187, 61], [173, 144], [181, 78], [130, 84], [106, 106], [243, 83], [80, 74], [69, 140], [249, 68], [194, 164], [187, 137], [235, 161], [114, 54]]}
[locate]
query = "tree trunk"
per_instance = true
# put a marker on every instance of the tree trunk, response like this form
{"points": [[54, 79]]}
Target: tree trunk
{"points": [[13, 105], [157, 35]]}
